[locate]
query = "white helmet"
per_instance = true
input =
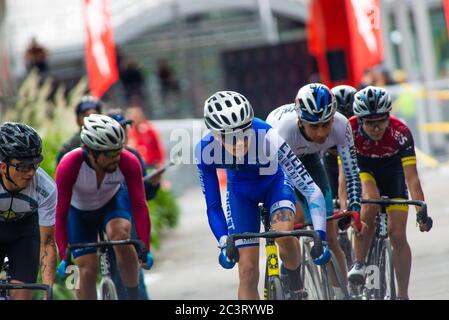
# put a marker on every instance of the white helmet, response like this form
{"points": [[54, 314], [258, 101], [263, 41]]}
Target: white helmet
{"points": [[102, 133], [226, 111], [371, 101], [315, 103]]}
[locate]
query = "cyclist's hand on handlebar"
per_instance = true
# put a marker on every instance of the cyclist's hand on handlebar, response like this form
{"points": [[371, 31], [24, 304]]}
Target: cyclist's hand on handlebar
{"points": [[224, 261], [325, 257], [425, 222], [362, 231], [147, 262]]}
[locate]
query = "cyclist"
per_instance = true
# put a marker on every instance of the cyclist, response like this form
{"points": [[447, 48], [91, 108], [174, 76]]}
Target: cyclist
{"points": [[88, 105], [237, 141], [27, 208], [311, 126], [387, 162], [344, 97], [91, 195]]}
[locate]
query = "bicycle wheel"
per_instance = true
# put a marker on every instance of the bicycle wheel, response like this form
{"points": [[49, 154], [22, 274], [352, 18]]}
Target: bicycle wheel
{"points": [[274, 288], [387, 290], [107, 290], [310, 272], [345, 244]]}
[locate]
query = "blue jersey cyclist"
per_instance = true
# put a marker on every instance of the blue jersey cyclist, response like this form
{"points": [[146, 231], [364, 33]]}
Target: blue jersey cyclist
{"points": [[260, 167]]}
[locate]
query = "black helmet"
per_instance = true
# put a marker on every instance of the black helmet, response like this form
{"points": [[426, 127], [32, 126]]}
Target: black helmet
{"points": [[87, 103], [18, 141], [344, 95]]}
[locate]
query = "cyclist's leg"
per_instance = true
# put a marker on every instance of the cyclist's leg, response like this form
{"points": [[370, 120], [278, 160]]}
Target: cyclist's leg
{"points": [[281, 205], [83, 227], [115, 274], [117, 223], [243, 216], [395, 188], [23, 256], [368, 215], [317, 171]]}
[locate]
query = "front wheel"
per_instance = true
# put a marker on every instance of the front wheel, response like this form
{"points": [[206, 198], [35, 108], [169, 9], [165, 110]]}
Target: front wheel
{"points": [[386, 269], [107, 290], [275, 290]]}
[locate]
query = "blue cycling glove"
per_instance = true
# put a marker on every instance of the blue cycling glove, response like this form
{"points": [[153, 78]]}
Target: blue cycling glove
{"points": [[224, 261], [61, 269], [326, 256], [150, 261]]}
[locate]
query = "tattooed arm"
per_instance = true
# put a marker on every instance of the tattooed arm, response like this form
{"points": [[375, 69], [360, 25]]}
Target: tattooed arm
{"points": [[48, 254]]}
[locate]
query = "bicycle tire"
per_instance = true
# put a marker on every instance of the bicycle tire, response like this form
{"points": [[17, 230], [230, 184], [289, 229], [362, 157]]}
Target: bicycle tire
{"points": [[275, 291], [345, 244], [108, 290], [387, 290], [309, 270], [333, 264]]}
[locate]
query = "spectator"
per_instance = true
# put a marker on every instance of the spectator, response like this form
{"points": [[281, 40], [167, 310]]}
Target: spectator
{"points": [[144, 137], [166, 79], [367, 79], [382, 77], [132, 81], [36, 57], [88, 105]]}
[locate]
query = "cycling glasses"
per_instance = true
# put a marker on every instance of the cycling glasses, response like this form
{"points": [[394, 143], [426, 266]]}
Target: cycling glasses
{"points": [[111, 153], [379, 123], [26, 165]]}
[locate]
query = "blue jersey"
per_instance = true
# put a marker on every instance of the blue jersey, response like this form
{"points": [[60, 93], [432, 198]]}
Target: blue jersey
{"points": [[268, 158]]}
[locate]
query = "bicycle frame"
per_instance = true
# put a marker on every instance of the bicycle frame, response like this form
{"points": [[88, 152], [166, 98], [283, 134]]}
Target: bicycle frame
{"points": [[103, 248], [319, 274]]}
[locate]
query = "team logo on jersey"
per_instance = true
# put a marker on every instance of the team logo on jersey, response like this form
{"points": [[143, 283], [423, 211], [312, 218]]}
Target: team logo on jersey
{"points": [[8, 214]]}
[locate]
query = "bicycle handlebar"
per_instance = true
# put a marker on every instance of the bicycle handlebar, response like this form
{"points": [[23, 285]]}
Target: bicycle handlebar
{"points": [[421, 215], [140, 247], [29, 286], [232, 252], [337, 215]]}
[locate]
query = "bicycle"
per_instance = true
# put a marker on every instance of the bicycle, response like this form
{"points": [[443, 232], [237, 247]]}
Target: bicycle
{"points": [[273, 288], [6, 285], [380, 253], [316, 278], [107, 287]]}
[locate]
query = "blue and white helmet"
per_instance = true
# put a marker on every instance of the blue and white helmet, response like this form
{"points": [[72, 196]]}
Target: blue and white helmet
{"points": [[315, 103]]}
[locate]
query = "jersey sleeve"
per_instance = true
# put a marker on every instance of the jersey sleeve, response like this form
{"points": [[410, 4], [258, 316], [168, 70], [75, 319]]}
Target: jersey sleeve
{"points": [[47, 209], [347, 154], [207, 174], [66, 175], [132, 171], [294, 169], [407, 147]]}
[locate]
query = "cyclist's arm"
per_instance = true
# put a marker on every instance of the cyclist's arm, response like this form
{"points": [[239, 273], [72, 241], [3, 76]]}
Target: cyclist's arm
{"points": [[348, 156], [408, 159], [298, 175], [132, 171], [211, 190], [48, 252], [66, 175]]}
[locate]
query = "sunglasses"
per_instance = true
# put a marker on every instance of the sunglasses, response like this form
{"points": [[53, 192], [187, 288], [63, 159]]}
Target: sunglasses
{"points": [[24, 168], [111, 153], [376, 123], [234, 138]]}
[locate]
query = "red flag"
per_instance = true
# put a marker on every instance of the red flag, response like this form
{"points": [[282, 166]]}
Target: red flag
{"points": [[100, 47], [446, 13]]}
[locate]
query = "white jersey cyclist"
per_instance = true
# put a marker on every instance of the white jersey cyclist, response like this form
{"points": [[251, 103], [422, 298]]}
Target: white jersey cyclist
{"points": [[285, 120]]}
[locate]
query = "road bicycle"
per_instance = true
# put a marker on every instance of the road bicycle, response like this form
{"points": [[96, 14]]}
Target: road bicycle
{"points": [[273, 288]]}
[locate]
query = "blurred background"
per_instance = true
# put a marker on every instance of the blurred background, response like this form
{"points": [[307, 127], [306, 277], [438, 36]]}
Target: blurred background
{"points": [[168, 56]]}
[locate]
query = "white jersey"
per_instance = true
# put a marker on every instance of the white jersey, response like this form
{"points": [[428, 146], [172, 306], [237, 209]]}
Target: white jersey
{"points": [[39, 197], [285, 120]]}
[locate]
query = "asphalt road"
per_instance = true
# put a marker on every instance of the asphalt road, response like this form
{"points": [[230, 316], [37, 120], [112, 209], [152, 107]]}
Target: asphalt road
{"points": [[186, 267]]}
